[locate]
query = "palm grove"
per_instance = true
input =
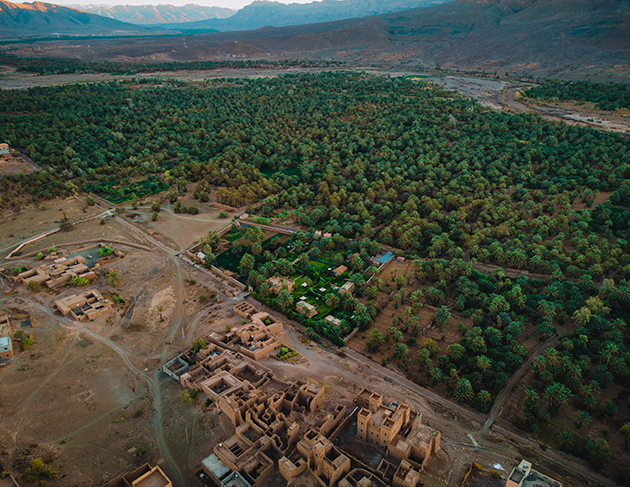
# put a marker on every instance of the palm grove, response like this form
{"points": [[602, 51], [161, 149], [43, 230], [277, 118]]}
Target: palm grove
{"points": [[406, 164]]}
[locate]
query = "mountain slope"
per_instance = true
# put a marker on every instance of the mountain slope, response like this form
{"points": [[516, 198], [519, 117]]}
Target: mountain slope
{"points": [[262, 13], [528, 36], [37, 18], [157, 14]]}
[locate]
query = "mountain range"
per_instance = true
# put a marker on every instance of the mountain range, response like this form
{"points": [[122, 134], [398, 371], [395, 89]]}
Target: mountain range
{"points": [[157, 14], [539, 37], [263, 13], [38, 18]]}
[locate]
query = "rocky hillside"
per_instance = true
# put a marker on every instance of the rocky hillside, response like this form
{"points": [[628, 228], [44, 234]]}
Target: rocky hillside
{"points": [[37, 18]]}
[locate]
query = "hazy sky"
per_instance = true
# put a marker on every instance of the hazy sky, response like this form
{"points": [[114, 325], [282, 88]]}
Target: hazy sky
{"points": [[236, 4]]}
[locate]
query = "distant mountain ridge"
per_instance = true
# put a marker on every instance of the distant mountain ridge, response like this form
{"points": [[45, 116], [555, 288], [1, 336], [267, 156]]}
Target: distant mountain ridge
{"points": [[38, 18], [158, 14], [540, 37], [264, 13]]}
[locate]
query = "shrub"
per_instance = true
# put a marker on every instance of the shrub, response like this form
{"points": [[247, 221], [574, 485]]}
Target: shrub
{"points": [[105, 251], [261, 220], [154, 216], [187, 397], [79, 281], [223, 214], [51, 250], [40, 256], [34, 287], [198, 344], [203, 298], [228, 327], [112, 278]]}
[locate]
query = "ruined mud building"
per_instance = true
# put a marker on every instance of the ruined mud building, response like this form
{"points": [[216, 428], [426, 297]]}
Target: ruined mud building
{"points": [[145, 476], [63, 269], [88, 305], [286, 425]]}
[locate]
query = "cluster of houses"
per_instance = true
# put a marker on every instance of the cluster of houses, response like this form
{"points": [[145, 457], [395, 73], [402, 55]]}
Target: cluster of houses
{"points": [[62, 270], [289, 426]]}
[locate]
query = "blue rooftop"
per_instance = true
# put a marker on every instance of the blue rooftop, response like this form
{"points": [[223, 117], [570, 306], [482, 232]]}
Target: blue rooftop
{"points": [[386, 257]]}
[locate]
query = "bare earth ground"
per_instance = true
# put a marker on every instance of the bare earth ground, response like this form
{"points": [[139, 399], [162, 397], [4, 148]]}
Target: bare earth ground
{"points": [[14, 163], [19, 225], [572, 113], [182, 230]]}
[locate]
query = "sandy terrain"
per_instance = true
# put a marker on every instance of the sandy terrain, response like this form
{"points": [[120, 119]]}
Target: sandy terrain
{"points": [[181, 230], [17, 226]]}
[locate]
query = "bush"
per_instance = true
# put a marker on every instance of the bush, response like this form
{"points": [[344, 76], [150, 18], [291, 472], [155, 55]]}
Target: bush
{"points": [[223, 214], [79, 281], [38, 469], [112, 278], [203, 298], [40, 256], [198, 344], [34, 287], [261, 220], [154, 216], [105, 251]]}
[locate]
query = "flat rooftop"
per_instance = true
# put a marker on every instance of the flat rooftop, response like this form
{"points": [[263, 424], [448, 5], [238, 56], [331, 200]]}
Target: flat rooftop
{"points": [[215, 465], [235, 480], [536, 479], [154, 479]]}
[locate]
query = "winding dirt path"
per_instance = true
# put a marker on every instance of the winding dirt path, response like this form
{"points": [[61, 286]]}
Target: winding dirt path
{"points": [[516, 377]]}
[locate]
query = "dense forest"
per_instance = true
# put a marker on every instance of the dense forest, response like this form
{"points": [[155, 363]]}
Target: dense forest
{"points": [[44, 66], [606, 96], [400, 162]]}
